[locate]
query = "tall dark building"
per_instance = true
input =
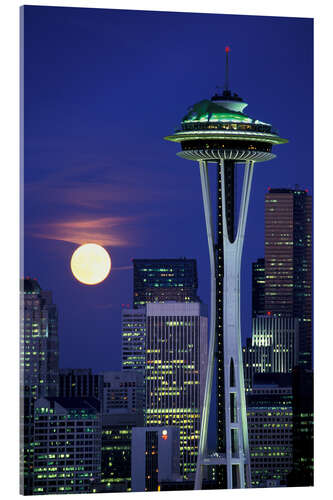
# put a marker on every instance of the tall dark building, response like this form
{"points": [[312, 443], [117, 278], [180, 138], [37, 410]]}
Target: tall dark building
{"points": [[163, 280], [155, 457], [39, 341], [258, 288], [116, 451], [273, 347], [78, 382], [270, 424], [303, 451], [288, 261], [39, 358]]}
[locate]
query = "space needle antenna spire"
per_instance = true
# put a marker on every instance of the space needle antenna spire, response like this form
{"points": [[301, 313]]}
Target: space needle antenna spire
{"points": [[226, 84]]}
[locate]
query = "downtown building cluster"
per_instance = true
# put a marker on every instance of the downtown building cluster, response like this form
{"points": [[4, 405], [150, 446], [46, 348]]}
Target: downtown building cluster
{"points": [[277, 358], [77, 430], [138, 429]]}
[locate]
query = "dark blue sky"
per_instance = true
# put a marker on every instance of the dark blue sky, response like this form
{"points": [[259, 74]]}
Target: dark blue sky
{"points": [[102, 89]]}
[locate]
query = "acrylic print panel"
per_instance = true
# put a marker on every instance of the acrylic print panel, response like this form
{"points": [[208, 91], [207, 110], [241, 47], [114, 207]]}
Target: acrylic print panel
{"points": [[166, 339]]}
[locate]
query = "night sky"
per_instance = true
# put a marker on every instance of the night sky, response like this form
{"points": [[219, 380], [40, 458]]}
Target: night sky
{"points": [[101, 90]]}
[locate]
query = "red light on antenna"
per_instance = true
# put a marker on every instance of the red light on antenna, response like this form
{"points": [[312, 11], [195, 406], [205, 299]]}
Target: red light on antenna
{"points": [[227, 49]]}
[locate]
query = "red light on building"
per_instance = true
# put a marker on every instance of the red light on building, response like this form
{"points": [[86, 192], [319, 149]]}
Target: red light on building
{"points": [[165, 434], [269, 313], [227, 49]]}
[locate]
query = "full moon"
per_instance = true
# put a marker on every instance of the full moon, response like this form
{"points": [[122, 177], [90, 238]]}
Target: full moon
{"points": [[90, 264]]}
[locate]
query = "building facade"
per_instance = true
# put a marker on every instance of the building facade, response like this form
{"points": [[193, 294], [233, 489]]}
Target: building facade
{"points": [[155, 457], [288, 261], [39, 341], [270, 425], [273, 347], [176, 363], [133, 331], [303, 429], [116, 451], [123, 392], [39, 361], [162, 280], [79, 382], [67, 445]]}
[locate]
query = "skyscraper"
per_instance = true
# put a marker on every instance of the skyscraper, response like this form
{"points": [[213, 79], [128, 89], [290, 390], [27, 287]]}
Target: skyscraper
{"points": [[39, 341], [288, 261], [162, 280], [258, 288], [176, 363], [38, 366]]}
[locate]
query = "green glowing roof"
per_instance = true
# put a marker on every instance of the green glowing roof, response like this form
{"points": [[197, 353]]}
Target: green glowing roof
{"points": [[208, 111]]}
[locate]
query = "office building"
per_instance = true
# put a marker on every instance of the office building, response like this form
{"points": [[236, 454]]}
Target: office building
{"points": [[176, 361], [288, 261], [133, 331], [270, 425], [155, 457], [38, 366], [67, 445], [80, 382], [303, 447], [273, 347], [39, 341], [116, 451], [162, 280], [123, 392]]}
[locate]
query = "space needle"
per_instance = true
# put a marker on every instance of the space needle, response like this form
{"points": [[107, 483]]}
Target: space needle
{"points": [[217, 132]]}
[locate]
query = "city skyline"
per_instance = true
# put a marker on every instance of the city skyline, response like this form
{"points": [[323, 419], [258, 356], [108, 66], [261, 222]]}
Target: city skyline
{"points": [[68, 190]]}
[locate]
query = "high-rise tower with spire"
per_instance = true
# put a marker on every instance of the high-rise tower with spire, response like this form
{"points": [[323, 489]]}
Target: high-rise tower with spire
{"points": [[217, 132]]}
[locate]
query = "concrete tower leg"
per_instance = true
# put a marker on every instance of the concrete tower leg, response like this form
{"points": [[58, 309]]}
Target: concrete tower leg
{"points": [[237, 448], [202, 451]]}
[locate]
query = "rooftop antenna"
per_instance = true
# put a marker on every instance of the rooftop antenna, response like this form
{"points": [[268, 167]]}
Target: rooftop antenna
{"points": [[226, 85]]}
